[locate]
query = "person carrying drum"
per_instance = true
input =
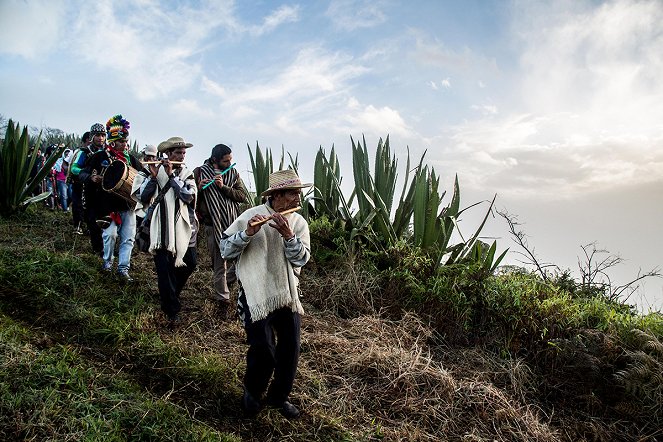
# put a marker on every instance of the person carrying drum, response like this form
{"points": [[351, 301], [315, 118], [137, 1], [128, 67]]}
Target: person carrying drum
{"points": [[221, 193], [115, 214], [171, 190], [82, 176]]}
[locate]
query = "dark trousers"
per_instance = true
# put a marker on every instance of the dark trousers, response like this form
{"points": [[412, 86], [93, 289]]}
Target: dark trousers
{"points": [[171, 279], [274, 344], [93, 228], [77, 203]]}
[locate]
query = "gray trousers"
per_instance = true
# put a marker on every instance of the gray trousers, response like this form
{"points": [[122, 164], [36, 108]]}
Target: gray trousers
{"points": [[224, 271]]}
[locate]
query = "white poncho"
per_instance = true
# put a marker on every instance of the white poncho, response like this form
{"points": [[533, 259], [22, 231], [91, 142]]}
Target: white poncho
{"points": [[266, 275]]}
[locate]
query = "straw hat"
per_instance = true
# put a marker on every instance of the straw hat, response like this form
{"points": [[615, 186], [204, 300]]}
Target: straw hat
{"points": [[172, 143], [284, 180]]}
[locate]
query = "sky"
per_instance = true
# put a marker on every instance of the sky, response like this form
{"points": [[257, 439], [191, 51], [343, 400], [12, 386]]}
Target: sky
{"points": [[555, 107]]}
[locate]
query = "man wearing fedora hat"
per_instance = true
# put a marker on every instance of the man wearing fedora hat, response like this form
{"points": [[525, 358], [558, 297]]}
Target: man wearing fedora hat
{"points": [[271, 243], [174, 225], [114, 214]]}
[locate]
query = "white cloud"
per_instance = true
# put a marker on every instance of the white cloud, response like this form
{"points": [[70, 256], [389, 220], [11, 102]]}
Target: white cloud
{"points": [[150, 48], [191, 108], [602, 64], [378, 122], [212, 87], [284, 14], [509, 154], [585, 113], [314, 74], [31, 29], [154, 49], [485, 109], [438, 54], [349, 15]]}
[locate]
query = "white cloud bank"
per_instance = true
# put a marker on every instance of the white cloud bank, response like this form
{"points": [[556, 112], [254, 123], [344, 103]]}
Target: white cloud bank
{"points": [[587, 111]]}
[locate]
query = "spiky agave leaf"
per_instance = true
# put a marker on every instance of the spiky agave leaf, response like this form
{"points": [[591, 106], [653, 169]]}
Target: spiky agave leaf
{"points": [[17, 159]]}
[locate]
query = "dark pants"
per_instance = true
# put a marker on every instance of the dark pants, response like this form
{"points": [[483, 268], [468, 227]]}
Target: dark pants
{"points": [[77, 203], [93, 228], [273, 349], [171, 279]]}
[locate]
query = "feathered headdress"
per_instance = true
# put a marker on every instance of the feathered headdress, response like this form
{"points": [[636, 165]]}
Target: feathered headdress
{"points": [[116, 128]]}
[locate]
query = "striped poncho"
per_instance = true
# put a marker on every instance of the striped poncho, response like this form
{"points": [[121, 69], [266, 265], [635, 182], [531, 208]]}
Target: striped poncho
{"points": [[222, 204]]}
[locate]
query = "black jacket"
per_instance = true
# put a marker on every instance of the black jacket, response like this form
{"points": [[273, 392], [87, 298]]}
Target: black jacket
{"points": [[99, 200]]}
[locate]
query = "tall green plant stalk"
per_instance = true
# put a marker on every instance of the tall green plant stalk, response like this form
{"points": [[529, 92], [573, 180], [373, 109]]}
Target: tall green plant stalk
{"points": [[262, 166], [326, 184], [17, 159]]}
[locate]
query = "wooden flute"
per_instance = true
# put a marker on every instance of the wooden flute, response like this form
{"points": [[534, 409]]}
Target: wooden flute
{"points": [[285, 212]]}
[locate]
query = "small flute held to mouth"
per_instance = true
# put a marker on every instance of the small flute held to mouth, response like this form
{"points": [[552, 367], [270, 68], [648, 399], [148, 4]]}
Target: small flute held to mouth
{"points": [[285, 212]]}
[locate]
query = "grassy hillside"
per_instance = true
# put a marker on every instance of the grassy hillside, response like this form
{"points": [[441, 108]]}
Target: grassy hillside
{"points": [[391, 350]]}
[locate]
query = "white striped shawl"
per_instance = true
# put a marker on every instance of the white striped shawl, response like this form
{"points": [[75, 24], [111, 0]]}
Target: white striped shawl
{"points": [[167, 230]]}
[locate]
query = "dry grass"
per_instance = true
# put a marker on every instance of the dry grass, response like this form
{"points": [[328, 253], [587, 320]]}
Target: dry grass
{"points": [[360, 379], [379, 378]]}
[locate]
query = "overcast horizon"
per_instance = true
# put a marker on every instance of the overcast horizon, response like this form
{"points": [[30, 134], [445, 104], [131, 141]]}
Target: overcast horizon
{"points": [[556, 107]]}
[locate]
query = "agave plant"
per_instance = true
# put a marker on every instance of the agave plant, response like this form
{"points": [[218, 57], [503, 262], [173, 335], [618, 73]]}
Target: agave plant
{"points": [[17, 160], [419, 216], [262, 166], [327, 179]]}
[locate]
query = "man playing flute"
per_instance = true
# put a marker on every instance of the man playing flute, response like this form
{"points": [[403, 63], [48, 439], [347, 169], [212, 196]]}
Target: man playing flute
{"points": [[174, 226], [269, 258], [221, 192]]}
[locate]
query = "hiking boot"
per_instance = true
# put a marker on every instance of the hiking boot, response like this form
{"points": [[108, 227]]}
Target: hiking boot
{"points": [[250, 405], [124, 275], [288, 410]]}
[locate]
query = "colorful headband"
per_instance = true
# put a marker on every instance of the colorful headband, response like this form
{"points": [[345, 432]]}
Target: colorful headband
{"points": [[117, 128]]}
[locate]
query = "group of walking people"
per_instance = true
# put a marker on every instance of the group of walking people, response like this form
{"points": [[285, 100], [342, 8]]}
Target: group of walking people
{"points": [[262, 249]]}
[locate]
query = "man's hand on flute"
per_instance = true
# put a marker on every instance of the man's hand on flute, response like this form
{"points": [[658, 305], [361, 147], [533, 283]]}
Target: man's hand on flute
{"points": [[280, 223], [255, 223]]}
